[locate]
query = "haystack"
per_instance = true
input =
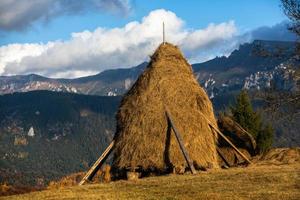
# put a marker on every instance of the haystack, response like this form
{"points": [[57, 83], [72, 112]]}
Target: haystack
{"points": [[239, 137], [144, 138]]}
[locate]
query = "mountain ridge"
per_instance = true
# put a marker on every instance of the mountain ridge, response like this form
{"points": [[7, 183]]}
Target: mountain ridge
{"points": [[249, 58]]}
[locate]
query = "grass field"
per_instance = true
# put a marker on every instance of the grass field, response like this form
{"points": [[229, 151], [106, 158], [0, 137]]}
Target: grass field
{"points": [[253, 182]]}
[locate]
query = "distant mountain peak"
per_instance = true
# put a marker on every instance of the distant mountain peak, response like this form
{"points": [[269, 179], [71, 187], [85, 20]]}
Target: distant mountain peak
{"points": [[249, 58]]}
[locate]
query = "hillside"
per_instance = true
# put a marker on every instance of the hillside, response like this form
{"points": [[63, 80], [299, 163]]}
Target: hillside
{"points": [[254, 182], [46, 135]]}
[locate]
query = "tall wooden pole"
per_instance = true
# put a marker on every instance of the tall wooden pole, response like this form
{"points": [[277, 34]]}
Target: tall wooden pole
{"points": [[93, 170], [212, 126], [164, 39], [181, 145], [229, 142]]}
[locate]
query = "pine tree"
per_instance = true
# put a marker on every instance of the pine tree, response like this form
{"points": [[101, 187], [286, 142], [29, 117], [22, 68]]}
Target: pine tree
{"points": [[244, 114], [265, 139]]}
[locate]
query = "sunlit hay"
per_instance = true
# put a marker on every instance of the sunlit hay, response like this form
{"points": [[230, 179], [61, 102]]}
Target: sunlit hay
{"points": [[236, 133], [102, 175], [232, 157], [67, 181], [279, 156], [143, 139], [107, 176], [239, 137]]}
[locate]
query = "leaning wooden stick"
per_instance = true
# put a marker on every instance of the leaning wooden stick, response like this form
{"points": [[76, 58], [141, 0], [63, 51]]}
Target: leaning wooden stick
{"points": [[225, 138], [96, 166], [180, 141], [223, 157]]}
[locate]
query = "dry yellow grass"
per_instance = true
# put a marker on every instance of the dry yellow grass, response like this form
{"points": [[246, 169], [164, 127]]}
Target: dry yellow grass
{"points": [[253, 182]]}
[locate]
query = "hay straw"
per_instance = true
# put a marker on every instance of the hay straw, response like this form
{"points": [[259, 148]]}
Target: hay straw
{"points": [[143, 137], [239, 136]]}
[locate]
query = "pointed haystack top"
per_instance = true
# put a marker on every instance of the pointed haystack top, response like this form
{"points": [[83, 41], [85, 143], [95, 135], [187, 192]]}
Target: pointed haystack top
{"points": [[144, 138]]}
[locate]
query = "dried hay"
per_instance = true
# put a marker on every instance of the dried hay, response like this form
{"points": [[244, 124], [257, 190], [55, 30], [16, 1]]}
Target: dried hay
{"points": [[132, 176], [6, 189], [102, 175], [239, 137], [232, 158], [279, 156], [67, 181], [107, 176], [144, 138]]}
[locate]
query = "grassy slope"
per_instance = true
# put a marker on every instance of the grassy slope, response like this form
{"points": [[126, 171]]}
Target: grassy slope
{"points": [[253, 182]]}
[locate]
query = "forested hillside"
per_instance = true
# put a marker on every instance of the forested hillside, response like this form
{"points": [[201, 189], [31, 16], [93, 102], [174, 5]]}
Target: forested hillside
{"points": [[46, 135]]}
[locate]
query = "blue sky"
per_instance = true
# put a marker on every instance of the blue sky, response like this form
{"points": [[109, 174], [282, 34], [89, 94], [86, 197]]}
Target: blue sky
{"points": [[247, 14], [72, 38]]}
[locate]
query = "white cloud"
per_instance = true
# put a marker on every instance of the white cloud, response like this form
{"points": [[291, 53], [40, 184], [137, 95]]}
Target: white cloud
{"points": [[212, 34], [15, 53], [89, 52]]}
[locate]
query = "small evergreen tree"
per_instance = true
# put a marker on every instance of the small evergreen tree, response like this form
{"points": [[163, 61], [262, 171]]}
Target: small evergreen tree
{"points": [[244, 114], [250, 120], [265, 139]]}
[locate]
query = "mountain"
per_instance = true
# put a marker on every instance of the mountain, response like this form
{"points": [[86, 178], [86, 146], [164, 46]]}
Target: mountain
{"points": [[250, 66], [46, 135], [32, 82], [253, 66], [106, 83]]}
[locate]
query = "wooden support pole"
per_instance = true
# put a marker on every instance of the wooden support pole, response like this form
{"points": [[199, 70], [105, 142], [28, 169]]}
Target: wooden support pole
{"points": [[253, 142], [223, 157], [164, 39], [230, 143], [180, 142], [225, 138], [96, 166]]}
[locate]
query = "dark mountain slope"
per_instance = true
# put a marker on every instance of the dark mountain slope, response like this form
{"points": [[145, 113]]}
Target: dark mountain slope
{"points": [[46, 135]]}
